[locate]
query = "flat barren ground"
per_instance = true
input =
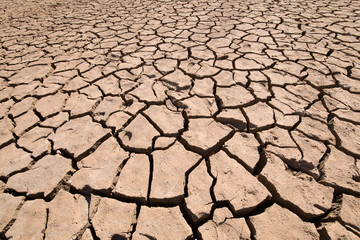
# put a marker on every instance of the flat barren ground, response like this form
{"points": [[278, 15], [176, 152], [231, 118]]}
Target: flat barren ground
{"points": [[225, 119]]}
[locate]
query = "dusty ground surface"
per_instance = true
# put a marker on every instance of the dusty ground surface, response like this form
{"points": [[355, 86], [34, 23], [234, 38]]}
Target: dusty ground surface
{"points": [[179, 119]]}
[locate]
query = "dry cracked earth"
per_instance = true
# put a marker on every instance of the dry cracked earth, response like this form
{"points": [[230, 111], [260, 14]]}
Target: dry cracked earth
{"points": [[179, 119]]}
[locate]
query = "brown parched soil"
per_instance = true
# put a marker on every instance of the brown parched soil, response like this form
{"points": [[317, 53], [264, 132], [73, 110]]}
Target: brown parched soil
{"points": [[187, 119]]}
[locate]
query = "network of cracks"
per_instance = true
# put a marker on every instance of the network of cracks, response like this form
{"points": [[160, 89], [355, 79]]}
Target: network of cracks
{"points": [[179, 119]]}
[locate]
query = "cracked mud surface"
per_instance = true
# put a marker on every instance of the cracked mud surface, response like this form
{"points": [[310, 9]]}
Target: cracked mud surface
{"points": [[179, 119]]}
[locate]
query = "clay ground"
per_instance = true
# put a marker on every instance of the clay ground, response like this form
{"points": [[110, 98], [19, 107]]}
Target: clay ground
{"points": [[216, 119]]}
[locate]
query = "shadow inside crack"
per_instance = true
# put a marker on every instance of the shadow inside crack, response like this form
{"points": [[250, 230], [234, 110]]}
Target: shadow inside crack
{"points": [[148, 236], [118, 237]]}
